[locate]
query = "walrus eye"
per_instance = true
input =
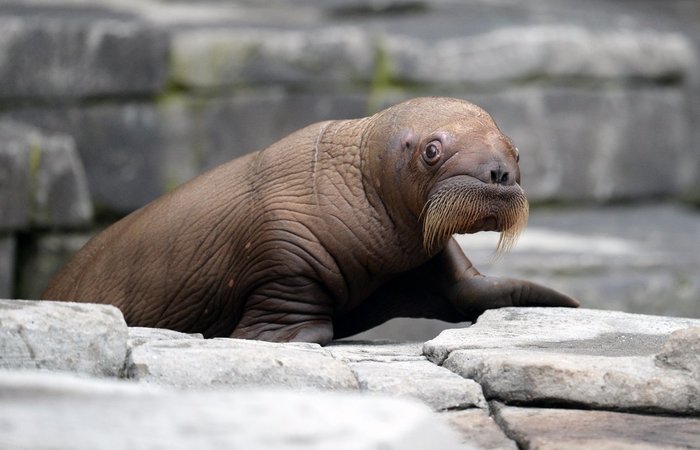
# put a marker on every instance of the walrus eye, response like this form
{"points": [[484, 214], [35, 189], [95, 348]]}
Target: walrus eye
{"points": [[432, 152]]}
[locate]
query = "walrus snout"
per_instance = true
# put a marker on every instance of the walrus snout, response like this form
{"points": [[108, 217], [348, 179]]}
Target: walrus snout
{"points": [[466, 204], [498, 172]]}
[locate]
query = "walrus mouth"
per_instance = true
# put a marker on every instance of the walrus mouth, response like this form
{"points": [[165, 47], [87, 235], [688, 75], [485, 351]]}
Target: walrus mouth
{"points": [[463, 204]]}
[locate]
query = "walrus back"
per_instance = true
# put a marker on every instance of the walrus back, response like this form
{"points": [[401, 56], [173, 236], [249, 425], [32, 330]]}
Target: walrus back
{"points": [[179, 262]]}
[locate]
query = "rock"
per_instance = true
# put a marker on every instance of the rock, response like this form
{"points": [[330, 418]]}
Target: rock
{"points": [[61, 196], [598, 359], [42, 256], [120, 145], [220, 57], [357, 351], [142, 335], [400, 370], [86, 414], [212, 363], [68, 52], [575, 331], [541, 428], [45, 184], [682, 352], [72, 337], [479, 430], [7, 266], [520, 52]]}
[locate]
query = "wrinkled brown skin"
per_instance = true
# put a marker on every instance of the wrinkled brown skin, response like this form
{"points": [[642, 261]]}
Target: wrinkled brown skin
{"points": [[318, 236]]}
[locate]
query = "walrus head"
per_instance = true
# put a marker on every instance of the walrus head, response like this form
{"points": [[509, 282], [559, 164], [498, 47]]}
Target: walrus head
{"points": [[447, 163]]}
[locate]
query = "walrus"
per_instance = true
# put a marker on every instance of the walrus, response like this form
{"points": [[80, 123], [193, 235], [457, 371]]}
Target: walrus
{"points": [[330, 231]]}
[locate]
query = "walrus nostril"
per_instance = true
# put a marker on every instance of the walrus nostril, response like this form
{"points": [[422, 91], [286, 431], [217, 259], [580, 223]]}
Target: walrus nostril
{"points": [[499, 177]]}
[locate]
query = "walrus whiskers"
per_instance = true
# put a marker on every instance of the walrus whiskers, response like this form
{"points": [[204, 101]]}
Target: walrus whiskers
{"points": [[457, 209]]}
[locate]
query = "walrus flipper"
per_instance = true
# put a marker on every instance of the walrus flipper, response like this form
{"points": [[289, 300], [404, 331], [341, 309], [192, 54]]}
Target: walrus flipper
{"points": [[473, 293]]}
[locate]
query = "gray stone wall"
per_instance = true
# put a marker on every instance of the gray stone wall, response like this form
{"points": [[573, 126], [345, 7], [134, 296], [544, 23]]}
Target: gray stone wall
{"points": [[600, 96]]}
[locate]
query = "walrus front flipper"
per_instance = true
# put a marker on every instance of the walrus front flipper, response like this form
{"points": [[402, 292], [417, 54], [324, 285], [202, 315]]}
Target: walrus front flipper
{"points": [[472, 293]]}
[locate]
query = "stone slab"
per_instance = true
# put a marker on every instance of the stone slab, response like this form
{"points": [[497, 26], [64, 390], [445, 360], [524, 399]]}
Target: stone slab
{"points": [[40, 410], [68, 51], [212, 363], [42, 181], [541, 428], [564, 330], [60, 191], [120, 146], [479, 430], [599, 359], [58, 336], [399, 369], [436, 386], [532, 50], [218, 57]]}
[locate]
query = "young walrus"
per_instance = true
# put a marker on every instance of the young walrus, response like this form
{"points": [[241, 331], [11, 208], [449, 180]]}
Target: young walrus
{"points": [[336, 228]]}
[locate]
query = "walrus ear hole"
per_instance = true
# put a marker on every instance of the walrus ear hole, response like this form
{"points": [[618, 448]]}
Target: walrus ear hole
{"points": [[432, 152]]}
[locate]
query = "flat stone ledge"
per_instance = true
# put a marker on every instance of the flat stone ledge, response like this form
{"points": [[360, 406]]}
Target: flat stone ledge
{"points": [[62, 336], [541, 428], [210, 363], [400, 370], [605, 360], [580, 331], [88, 414]]}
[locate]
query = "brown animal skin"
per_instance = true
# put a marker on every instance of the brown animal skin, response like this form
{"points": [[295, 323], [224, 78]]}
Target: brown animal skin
{"points": [[321, 235]]}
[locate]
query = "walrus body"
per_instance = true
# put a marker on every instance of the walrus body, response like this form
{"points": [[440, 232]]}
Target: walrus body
{"points": [[334, 229]]}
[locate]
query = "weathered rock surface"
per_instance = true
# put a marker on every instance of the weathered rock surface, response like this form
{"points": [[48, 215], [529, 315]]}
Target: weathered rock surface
{"points": [[400, 370], [86, 414], [583, 357], [225, 56], [478, 429], [537, 356], [682, 352], [210, 363], [72, 337], [42, 181], [542, 428], [66, 51], [542, 50]]}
